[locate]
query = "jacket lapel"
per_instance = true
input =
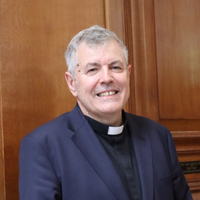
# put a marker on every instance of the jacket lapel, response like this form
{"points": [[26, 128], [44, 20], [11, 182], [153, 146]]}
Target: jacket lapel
{"points": [[143, 153], [86, 140]]}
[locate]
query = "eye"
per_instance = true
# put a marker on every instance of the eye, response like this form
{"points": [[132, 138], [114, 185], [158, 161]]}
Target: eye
{"points": [[92, 71], [116, 68]]}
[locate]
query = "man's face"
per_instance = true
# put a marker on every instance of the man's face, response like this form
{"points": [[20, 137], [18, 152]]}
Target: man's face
{"points": [[101, 85]]}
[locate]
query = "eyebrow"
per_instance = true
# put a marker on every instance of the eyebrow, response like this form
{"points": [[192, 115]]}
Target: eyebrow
{"points": [[93, 64], [98, 64], [116, 62]]}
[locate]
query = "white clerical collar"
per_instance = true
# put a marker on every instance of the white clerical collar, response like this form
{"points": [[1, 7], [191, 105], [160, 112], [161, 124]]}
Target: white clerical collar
{"points": [[115, 130]]}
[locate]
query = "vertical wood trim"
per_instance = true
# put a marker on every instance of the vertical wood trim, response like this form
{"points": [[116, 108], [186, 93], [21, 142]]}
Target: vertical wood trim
{"points": [[114, 17], [129, 43], [2, 169], [1, 130], [144, 50]]}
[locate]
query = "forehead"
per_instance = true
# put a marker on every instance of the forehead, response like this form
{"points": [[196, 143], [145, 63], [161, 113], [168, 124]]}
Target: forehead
{"points": [[102, 53]]}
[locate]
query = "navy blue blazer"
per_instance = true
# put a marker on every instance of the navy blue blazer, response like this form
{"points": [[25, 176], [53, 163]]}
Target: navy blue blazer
{"points": [[63, 159]]}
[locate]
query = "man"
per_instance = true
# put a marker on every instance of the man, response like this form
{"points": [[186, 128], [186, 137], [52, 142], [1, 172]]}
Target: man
{"points": [[97, 151]]}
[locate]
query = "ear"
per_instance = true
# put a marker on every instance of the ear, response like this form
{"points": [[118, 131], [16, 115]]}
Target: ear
{"points": [[129, 70], [71, 83]]}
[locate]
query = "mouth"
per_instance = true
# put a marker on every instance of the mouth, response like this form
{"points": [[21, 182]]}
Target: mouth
{"points": [[105, 94]]}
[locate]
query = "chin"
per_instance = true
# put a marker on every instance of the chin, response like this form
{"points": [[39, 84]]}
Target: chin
{"points": [[110, 110]]}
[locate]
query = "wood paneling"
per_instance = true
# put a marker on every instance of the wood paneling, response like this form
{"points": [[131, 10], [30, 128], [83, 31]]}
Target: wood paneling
{"points": [[178, 57], [144, 59], [2, 180], [166, 52], [33, 38], [163, 38], [111, 7]]}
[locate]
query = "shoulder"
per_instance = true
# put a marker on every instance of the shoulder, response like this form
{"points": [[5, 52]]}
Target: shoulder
{"points": [[148, 128], [51, 131], [158, 135], [66, 124], [144, 122]]}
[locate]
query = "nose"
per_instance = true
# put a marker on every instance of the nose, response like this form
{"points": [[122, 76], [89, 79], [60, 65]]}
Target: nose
{"points": [[106, 75]]}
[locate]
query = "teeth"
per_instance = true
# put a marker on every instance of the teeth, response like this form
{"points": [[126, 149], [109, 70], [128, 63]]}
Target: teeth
{"points": [[107, 94]]}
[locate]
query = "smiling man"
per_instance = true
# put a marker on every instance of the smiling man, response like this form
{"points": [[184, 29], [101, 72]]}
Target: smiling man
{"points": [[98, 151], [101, 81]]}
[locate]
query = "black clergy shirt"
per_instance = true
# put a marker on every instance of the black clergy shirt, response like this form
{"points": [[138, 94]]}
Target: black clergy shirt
{"points": [[121, 153]]}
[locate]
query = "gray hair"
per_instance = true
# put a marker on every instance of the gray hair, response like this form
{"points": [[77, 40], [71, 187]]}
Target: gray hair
{"points": [[92, 36]]}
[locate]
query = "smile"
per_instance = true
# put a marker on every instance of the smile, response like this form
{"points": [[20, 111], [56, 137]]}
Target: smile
{"points": [[105, 94]]}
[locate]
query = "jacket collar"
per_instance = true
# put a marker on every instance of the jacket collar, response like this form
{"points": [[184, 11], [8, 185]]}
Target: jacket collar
{"points": [[143, 153], [92, 149], [90, 146]]}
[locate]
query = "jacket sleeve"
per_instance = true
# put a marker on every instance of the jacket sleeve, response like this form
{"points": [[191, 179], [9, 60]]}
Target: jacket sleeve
{"points": [[180, 186], [37, 178]]}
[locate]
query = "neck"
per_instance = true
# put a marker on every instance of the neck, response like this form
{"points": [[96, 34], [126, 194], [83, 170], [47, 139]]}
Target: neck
{"points": [[109, 119]]}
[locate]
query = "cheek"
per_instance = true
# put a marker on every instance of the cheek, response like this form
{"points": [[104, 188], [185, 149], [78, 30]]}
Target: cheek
{"points": [[83, 89], [77, 88], [125, 82], [126, 87], [91, 84]]}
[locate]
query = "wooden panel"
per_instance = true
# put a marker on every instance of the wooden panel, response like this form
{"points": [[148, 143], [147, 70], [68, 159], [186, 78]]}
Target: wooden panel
{"points": [[188, 148], [166, 72], [196, 196], [111, 8], [2, 180], [178, 58], [144, 59], [33, 38]]}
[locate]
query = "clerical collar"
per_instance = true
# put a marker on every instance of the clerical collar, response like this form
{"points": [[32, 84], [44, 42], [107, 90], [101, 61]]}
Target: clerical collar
{"points": [[115, 130], [98, 127]]}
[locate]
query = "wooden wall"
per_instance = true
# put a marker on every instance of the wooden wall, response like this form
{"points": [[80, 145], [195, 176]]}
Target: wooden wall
{"points": [[166, 78], [163, 41], [34, 37], [178, 68]]}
